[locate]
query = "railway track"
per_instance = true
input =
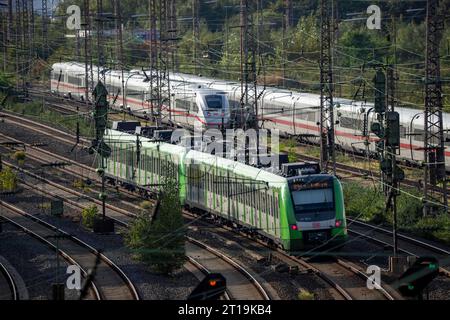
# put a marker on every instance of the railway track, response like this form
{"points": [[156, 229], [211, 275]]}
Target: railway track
{"points": [[8, 286], [347, 280], [325, 271], [406, 244], [241, 283], [110, 282]]}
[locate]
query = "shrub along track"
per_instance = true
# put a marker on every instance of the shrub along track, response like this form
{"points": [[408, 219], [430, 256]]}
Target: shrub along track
{"points": [[241, 283], [323, 269]]}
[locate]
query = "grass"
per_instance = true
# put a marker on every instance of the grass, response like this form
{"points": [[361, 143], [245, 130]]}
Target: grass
{"points": [[38, 111], [80, 184], [368, 203]]}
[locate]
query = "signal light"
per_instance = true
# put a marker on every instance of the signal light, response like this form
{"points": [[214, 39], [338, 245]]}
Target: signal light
{"points": [[294, 227], [211, 288], [418, 276]]}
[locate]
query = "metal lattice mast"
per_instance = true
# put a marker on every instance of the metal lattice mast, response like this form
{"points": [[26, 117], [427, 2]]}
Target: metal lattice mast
{"points": [[164, 60], [154, 61], [434, 142], [100, 45], [10, 21], [327, 142], [32, 28], [44, 29], [119, 53], [18, 41], [289, 13], [195, 33], [249, 98], [4, 36], [173, 33], [26, 35], [89, 78], [159, 55]]}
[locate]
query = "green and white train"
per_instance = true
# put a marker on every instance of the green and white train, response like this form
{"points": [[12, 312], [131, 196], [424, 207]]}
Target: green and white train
{"points": [[293, 212]]}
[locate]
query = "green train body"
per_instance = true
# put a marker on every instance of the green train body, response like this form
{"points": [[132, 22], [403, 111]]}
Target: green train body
{"points": [[265, 204]]}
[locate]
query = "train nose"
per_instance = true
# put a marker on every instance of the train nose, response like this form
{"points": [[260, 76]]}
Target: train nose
{"points": [[216, 119]]}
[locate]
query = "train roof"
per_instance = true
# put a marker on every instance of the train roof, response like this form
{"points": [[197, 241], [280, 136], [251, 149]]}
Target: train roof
{"points": [[237, 168], [278, 96], [205, 158], [145, 142]]}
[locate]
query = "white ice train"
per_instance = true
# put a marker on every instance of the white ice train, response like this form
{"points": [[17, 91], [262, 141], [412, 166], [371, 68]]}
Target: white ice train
{"points": [[211, 102], [192, 104]]}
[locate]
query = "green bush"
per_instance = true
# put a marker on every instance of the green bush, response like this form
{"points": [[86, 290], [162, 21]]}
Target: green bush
{"points": [[8, 180], [88, 216], [305, 295], [20, 157], [160, 242], [434, 227], [367, 203]]}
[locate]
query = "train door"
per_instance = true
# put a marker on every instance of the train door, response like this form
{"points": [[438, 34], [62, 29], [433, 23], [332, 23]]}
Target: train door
{"points": [[193, 113], [201, 186]]}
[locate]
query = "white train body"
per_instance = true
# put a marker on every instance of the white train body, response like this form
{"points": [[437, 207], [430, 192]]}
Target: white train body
{"points": [[293, 113], [191, 104]]}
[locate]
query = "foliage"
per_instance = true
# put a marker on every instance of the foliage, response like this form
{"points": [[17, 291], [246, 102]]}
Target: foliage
{"points": [[88, 216], [5, 82], [80, 184], [290, 149], [305, 295], [364, 202], [146, 206], [367, 203], [20, 157], [159, 242], [36, 110], [8, 180], [296, 48]]}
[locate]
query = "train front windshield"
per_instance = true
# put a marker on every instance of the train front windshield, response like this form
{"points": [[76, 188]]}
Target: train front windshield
{"points": [[313, 198], [214, 102]]}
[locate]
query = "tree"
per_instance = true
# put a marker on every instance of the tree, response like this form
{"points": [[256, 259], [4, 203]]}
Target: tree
{"points": [[159, 240]]}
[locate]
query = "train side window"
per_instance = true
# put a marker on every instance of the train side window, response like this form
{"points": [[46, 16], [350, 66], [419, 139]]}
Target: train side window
{"points": [[182, 104], [194, 108], [241, 193], [419, 135], [73, 80], [260, 201], [270, 204], [402, 132], [265, 203], [350, 123], [447, 139]]}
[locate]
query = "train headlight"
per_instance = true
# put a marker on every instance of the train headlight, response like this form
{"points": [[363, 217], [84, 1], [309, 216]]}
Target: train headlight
{"points": [[338, 223], [294, 227]]}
